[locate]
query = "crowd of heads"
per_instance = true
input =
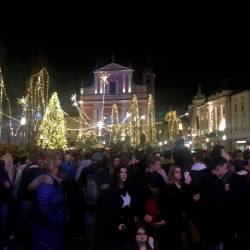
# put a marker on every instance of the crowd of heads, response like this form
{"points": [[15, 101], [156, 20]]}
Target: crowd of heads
{"points": [[140, 174]]}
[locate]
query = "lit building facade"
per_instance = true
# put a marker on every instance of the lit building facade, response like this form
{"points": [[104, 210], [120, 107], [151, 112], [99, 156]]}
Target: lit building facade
{"points": [[221, 118], [96, 100], [240, 112]]}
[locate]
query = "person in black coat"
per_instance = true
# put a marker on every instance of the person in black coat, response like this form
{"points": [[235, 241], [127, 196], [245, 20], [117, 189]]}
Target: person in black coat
{"points": [[117, 213], [240, 203], [180, 206], [156, 209], [215, 193]]}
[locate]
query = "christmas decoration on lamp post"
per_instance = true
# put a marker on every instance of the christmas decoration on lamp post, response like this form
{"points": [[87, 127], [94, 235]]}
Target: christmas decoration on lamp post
{"points": [[103, 82], [116, 128], [134, 123], [150, 125], [172, 125], [52, 131]]}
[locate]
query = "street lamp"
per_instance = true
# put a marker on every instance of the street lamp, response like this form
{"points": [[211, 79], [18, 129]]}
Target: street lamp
{"points": [[186, 114]]}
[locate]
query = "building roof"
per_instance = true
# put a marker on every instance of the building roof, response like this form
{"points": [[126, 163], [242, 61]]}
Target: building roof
{"points": [[113, 67]]}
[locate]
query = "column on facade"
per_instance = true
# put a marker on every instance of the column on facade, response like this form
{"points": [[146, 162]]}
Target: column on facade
{"points": [[221, 112], [129, 83], [215, 118], [123, 83], [95, 114], [108, 88], [96, 84], [197, 129], [209, 119]]}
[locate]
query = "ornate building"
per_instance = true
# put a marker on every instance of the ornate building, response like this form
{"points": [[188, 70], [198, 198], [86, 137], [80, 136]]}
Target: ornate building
{"points": [[96, 101], [221, 118]]}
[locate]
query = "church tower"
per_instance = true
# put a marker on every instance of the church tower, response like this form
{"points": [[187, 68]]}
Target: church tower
{"points": [[149, 78]]}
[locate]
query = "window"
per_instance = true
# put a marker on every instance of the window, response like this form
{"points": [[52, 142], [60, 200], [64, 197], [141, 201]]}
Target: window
{"points": [[112, 88], [243, 124], [235, 107], [242, 106], [235, 126], [148, 81]]}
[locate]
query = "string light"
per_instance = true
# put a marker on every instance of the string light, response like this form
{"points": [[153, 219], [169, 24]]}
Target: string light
{"points": [[134, 123], [116, 127], [103, 82], [150, 125]]}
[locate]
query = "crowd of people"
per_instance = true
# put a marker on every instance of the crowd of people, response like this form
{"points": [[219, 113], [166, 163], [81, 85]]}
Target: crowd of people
{"points": [[119, 201]]}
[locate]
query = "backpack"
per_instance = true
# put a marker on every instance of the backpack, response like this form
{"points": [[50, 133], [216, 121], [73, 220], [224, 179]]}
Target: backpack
{"points": [[91, 191]]}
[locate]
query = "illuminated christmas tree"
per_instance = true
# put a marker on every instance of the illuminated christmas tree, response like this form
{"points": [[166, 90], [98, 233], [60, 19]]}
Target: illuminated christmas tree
{"points": [[116, 128], [150, 125], [52, 131], [134, 123]]}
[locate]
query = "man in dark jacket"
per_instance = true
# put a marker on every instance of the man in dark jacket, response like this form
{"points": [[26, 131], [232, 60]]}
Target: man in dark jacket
{"points": [[215, 195], [25, 197], [90, 208]]}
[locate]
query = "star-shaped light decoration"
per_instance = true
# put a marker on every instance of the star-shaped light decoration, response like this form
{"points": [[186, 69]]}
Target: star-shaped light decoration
{"points": [[74, 100], [104, 78], [73, 97], [22, 101]]}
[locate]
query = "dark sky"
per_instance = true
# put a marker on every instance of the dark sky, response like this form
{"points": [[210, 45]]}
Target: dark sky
{"points": [[182, 56]]}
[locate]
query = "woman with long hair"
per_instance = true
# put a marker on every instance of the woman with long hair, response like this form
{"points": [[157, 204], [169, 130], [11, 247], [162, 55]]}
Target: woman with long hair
{"points": [[117, 211], [180, 204], [9, 166], [156, 209], [142, 239]]}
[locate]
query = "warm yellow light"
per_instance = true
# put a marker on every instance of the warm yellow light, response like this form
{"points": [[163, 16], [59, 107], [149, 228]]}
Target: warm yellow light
{"points": [[23, 121], [180, 126]]}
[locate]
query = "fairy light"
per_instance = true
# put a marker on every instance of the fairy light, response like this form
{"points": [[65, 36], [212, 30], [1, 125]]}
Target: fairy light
{"points": [[134, 123], [150, 123], [116, 128]]}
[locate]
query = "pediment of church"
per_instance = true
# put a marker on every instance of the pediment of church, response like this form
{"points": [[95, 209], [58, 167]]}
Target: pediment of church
{"points": [[112, 67]]}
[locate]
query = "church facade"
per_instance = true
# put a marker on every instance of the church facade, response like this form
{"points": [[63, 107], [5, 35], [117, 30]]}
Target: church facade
{"points": [[96, 100]]}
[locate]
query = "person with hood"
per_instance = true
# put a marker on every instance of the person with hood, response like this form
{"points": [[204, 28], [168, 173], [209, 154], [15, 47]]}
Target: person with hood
{"points": [[91, 183], [215, 194]]}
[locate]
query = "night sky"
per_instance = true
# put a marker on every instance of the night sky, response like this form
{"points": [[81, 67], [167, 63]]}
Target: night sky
{"points": [[182, 57]]}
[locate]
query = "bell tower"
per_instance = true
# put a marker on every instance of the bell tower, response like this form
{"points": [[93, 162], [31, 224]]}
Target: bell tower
{"points": [[149, 77]]}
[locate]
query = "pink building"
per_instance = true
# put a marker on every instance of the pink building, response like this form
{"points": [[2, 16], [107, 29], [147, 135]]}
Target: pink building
{"points": [[119, 88]]}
